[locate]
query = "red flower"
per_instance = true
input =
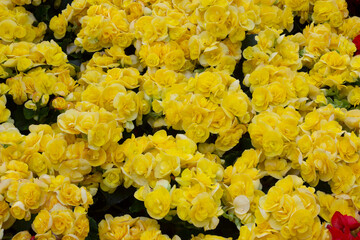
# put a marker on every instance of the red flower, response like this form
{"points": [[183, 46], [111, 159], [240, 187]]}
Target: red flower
{"points": [[32, 238], [341, 227], [356, 41]]}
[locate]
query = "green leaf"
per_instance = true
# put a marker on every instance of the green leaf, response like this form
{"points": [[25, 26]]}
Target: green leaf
{"points": [[41, 13], [118, 196], [104, 201], [137, 206], [22, 225], [28, 113], [93, 233], [43, 113]]}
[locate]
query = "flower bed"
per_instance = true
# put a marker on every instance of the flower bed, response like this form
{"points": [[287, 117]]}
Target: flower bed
{"points": [[179, 119]]}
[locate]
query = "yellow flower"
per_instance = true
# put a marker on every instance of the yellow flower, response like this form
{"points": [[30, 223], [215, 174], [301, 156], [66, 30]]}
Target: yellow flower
{"points": [[42, 222], [21, 2], [81, 226], [343, 180], [123, 40], [241, 184], [16, 170], [153, 234], [352, 119], [31, 195], [160, 27], [212, 169], [75, 169], [152, 60], [116, 228], [321, 99], [246, 233], [220, 121], [11, 192], [301, 86], [58, 25], [166, 165], [23, 235], [4, 211], [70, 194], [8, 30], [96, 157], [295, 5], [213, 55], [204, 211], [278, 93], [347, 149], [261, 98], [23, 63], [126, 106], [276, 167], [354, 96], [55, 150], [229, 138], [335, 61], [141, 168], [235, 104], [324, 164], [129, 78], [69, 237], [17, 89], [323, 11], [4, 113], [299, 226], [311, 120], [197, 133], [19, 212], [38, 163], [45, 84], [272, 143], [207, 82], [86, 121], [172, 111], [59, 103], [241, 205], [174, 60], [46, 236], [91, 94], [273, 201], [349, 27], [112, 179], [99, 135], [165, 78], [157, 202], [194, 47], [62, 221], [287, 209], [67, 121], [108, 94], [52, 52]]}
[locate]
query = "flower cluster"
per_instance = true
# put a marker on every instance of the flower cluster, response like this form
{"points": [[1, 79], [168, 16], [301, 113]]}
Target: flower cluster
{"points": [[60, 206], [17, 24], [176, 35], [149, 100], [22, 56], [126, 227], [242, 187], [288, 210], [204, 104]]}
